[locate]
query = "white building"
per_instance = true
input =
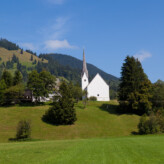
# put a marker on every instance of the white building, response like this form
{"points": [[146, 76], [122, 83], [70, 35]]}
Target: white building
{"points": [[97, 87]]}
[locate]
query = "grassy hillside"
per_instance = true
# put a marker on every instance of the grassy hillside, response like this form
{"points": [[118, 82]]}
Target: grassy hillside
{"points": [[121, 150], [24, 58], [95, 121]]}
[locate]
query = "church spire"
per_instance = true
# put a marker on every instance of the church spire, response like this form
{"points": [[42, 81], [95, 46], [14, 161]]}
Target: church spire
{"points": [[84, 65]]}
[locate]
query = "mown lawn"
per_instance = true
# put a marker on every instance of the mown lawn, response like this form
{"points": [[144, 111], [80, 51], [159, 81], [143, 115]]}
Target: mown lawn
{"points": [[99, 119], [118, 150]]}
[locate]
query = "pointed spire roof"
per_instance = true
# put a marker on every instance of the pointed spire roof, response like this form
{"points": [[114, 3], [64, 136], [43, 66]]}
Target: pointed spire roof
{"points": [[84, 65]]}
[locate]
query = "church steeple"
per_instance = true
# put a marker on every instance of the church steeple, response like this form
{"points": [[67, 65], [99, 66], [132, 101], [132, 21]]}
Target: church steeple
{"points": [[84, 75], [84, 65]]}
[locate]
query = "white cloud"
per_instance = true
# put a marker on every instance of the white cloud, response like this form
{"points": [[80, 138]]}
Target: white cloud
{"points": [[56, 29], [58, 44], [57, 2], [28, 46], [142, 55]]}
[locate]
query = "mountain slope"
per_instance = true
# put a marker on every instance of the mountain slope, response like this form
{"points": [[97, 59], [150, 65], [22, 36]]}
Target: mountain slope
{"points": [[25, 58], [75, 63]]}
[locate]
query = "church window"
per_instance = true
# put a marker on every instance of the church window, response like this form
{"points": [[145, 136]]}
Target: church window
{"points": [[97, 94], [84, 79]]}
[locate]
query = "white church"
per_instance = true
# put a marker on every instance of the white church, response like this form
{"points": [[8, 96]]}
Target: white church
{"points": [[97, 87]]}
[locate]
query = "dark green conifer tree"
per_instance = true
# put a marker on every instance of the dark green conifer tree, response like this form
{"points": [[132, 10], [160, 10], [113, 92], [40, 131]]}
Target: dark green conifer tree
{"points": [[62, 112], [134, 90], [6, 76], [31, 58], [17, 78], [2, 90]]}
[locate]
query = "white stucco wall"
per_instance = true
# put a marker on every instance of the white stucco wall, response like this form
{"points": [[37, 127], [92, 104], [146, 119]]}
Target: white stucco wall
{"points": [[98, 88], [84, 81]]}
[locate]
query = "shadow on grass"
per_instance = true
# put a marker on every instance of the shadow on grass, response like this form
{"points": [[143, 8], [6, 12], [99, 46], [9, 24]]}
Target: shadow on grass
{"points": [[28, 104], [135, 133], [113, 109], [23, 140]]}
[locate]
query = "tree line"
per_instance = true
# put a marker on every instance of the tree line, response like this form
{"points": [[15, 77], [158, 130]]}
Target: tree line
{"points": [[138, 95]]}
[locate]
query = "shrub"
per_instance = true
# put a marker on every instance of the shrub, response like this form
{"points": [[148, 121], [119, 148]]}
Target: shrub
{"points": [[93, 98], [151, 125], [23, 130]]}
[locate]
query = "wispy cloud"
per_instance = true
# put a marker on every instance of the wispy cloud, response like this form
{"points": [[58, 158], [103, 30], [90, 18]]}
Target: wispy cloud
{"points": [[58, 44], [57, 2], [60, 27], [28, 46], [142, 55], [56, 29]]}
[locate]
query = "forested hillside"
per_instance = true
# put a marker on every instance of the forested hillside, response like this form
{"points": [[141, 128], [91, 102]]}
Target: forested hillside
{"points": [[75, 63], [72, 70], [12, 58]]}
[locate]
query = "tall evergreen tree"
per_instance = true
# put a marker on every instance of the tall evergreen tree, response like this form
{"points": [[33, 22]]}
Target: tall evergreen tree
{"points": [[31, 58], [21, 52], [6, 76], [134, 90], [2, 90], [62, 112], [17, 78]]}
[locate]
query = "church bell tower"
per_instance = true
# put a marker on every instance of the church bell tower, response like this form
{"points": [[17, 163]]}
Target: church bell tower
{"points": [[84, 75]]}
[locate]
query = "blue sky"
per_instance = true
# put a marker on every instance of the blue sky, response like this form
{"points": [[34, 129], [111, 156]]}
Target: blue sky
{"points": [[109, 30]]}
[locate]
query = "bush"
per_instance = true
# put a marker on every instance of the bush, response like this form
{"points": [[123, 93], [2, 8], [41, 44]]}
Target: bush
{"points": [[93, 98], [151, 125], [23, 130]]}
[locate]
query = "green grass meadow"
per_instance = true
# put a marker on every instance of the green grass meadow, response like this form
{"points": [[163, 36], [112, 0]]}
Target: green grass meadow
{"points": [[99, 136], [95, 121], [118, 150]]}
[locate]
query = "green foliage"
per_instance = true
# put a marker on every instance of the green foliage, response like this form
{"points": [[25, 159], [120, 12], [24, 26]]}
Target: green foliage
{"points": [[151, 125], [8, 45], [48, 80], [40, 83], [31, 58], [114, 85], [9, 64], [158, 95], [23, 71], [23, 130], [76, 91], [34, 62], [70, 68], [7, 77], [15, 59], [93, 98], [13, 94], [62, 112], [36, 84], [17, 78], [84, 97], [134, 90], [75, 63], [2, 90], [21, 52], [31, 52]]}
